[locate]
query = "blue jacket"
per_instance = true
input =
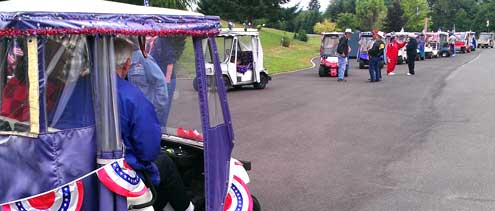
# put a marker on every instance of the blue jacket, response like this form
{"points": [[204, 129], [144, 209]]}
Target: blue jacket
{"points": [[139, 128], [146, 75]]}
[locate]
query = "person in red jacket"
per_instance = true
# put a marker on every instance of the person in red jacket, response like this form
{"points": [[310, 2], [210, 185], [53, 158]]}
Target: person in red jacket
{"points": [[393, 54]]}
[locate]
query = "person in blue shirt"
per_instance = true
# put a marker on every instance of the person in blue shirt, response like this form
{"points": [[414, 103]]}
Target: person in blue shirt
{"points": [[146, 75], [166, 51], [141, 133]]}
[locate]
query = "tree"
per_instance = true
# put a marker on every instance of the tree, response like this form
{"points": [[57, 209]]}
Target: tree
{"points": [[240, 10], [314, 5], [339, 6], [370, 13], [325, 26], [174, 4], [415, 11], [395, 18], [347, 20]]}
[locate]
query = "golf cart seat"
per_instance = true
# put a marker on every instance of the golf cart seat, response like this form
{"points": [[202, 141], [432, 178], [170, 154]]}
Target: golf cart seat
{"points": [[245, 61]]}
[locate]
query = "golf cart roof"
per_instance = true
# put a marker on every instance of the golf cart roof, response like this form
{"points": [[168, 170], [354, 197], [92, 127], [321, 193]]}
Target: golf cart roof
{"points": [[366, 34], [51, 17], [332, 33], [225, 32]]}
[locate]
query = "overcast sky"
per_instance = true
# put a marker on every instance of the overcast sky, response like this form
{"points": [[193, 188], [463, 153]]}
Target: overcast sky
{"points": [[304, 4]]}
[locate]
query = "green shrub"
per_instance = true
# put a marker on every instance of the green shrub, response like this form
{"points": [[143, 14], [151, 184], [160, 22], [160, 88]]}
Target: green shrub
{"points": [[285, 41], [301, 35]]}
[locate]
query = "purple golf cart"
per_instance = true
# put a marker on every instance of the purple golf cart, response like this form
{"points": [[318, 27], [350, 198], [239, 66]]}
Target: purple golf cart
{"points": [[60, 144]]}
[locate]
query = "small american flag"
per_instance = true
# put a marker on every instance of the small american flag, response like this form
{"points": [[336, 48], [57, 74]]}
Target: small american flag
{"points": [[14, 53]]}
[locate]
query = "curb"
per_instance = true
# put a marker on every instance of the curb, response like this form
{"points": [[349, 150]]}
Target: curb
{"points": [[313, 65]]}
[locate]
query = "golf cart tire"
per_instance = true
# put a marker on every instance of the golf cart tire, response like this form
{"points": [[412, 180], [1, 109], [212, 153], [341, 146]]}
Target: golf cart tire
{"points": [[226, 83], [346, 73], [322, 71], [256, 204], [400, 60], [382, 64], [362, 65], [263, 81]]}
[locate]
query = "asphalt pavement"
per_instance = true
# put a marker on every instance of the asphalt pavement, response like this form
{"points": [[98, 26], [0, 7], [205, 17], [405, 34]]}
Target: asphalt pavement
{"points": [[422, 142]]}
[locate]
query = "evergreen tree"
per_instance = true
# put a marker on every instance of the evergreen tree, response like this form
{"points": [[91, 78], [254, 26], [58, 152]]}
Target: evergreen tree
{"points": [[395, 17], [240, 10], [314, 5]]}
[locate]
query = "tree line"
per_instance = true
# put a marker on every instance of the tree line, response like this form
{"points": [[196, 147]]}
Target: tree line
{"points": [[364, 15]]}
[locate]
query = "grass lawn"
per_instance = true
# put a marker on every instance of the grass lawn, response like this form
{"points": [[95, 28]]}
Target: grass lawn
{"points": [[280, 59], [277, 58]]}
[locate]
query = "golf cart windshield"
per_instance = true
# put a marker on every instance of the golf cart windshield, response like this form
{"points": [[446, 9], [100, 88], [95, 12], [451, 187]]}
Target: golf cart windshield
{"points": [[485, 37], [365, 43], [460, 36], [329, 45]]}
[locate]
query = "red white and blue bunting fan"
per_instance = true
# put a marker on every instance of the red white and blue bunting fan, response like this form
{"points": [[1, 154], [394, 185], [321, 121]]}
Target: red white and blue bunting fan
{"points": [[238, 198], [121, 179], [66, 198]]}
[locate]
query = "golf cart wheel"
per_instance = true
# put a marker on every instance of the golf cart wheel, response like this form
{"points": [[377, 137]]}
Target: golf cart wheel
{"points": [[256, 204], [323, 71], [362, 65], [400, 60], [263, 81], [346, 73], [382, 64], [226, 83]]}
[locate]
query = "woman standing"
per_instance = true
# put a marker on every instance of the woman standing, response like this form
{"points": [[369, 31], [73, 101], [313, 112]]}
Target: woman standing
{"points": [[393, 54]]}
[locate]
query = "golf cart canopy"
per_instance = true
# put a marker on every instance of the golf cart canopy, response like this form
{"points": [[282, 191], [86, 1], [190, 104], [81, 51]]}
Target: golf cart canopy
{"points": [[73, 42], [238, 32], [484, 36], [51, 17]]}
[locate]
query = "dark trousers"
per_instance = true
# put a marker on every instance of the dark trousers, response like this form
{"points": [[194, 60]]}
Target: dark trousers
{"points": [[411, 59], [375, 71], [171, 188]]}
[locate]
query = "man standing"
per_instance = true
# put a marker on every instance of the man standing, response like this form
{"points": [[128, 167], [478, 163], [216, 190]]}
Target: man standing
{"points": [[393, 54], [343, 51], [375, 54], [411, 49], [452, 40]]}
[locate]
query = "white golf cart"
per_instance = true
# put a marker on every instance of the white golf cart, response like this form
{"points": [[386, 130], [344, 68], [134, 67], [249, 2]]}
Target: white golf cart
{"points": [[486, 40], [241, 57]]}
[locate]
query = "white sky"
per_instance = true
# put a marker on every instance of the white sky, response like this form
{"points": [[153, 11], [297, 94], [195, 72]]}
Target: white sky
{"points": [[304, 4]]}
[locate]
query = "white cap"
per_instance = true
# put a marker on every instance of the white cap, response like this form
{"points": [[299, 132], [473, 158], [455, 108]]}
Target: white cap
{"points": [[348, 31], [381, 34], [412, 35]]}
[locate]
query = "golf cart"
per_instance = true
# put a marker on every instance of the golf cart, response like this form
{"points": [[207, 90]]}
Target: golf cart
{"points": [[329, 62], [60, 126], [241, 58], [486, 40], [432, 40], [365, 43], [462, 43]]}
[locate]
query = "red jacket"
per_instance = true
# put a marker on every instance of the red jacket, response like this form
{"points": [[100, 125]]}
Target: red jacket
{"points": [[393, 49]]}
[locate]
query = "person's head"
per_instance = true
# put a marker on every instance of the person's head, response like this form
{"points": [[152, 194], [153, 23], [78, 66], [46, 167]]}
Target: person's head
{"points": [[123, 54], [348, 33], [379, 35], [412, 36]]}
